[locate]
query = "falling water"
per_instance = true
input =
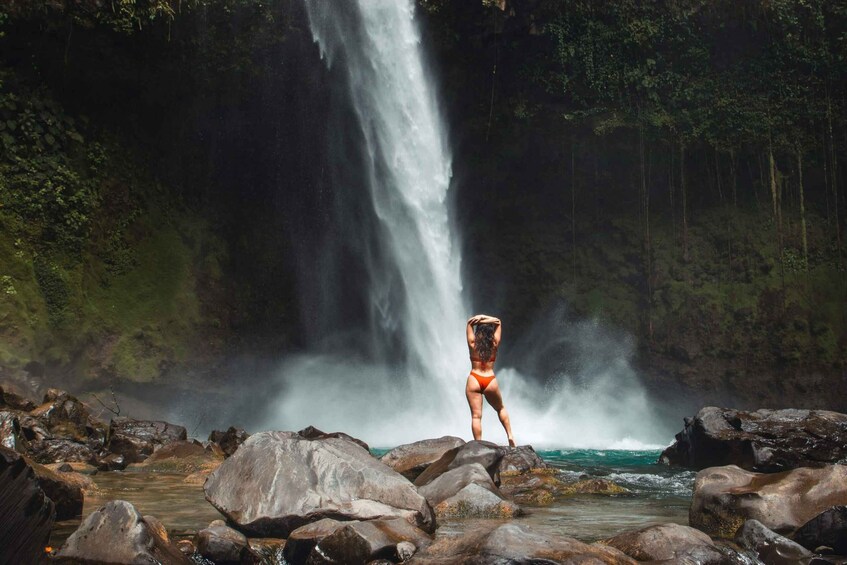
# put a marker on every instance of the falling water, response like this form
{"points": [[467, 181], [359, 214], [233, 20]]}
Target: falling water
{"points": [[410, 252]]}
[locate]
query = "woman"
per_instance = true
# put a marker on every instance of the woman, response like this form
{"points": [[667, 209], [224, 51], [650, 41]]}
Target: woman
{"points": [[483, 341]]}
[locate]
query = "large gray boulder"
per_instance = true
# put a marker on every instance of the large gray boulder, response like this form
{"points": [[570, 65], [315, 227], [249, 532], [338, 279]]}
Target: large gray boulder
{"points": [[512, 544], [411, 459], [519, 460], [764, 440], [357, 543], [770, 547], [667, 542], [466, 492], [26, 514], [117, 534], [726, 497], [278, 481], [485, 453], [222, 545]]}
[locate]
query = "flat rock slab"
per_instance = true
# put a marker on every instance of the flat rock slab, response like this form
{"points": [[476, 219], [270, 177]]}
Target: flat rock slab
{"points": [[513, 544], [764, 440], [278, 481], [117, 534], [411, 459], [665, 542], [726, 497], [26, 514]]}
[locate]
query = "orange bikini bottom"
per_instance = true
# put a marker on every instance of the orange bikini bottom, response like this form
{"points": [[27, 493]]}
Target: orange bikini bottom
{"points": [[483, 381]]}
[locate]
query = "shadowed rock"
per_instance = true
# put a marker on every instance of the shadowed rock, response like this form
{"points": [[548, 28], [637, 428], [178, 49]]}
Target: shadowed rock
{"points": [[294, 481], [770, 547], [726, 497], [15, 401], [467, 491], [485, 453], [67, 417], [26, 514], [361, 542], [515, 543], [61, 451], [764, 440], [536, 487], [221, 544], [63, 489], [229, 440], [829, 528], [117, 533], [411, 459], [136, 440], [667, 542], [11, 435], [312, 432], [303, 540]]}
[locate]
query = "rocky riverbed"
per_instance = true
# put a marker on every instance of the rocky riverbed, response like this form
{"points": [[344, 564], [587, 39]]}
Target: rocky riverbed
{"points": [[315, 497]]}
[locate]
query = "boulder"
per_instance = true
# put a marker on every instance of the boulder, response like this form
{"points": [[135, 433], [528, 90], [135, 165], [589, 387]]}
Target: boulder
{"points": [[73, 466], [303, 540], [15, 401], [485, 453], [667, 542], [764, 440], [538, 487], [448, 484], [136, 440], [229, 440], [62, 488], [67, 417], [829, 528], [518, 460], [312, 432], [61, 451], [221, 544], [770, 547], [11, 435], [726, 497], [182, 457], [411, 459], [268, 550], [357, 542], [294, 481], [515, 543], [26, 514], [110, 462], [475, 501], [117, 533]]}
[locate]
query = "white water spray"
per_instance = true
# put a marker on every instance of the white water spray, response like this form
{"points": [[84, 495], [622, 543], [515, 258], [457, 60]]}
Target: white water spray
{"points": [[407, 173]]}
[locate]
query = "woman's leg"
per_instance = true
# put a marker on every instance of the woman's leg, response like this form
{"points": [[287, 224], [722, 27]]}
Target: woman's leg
{"points": [[474, 394], [492, 395]]}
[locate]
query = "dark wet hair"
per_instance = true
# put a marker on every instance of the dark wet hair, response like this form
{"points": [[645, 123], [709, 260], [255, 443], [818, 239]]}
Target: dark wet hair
{"points": [[484, 340]]}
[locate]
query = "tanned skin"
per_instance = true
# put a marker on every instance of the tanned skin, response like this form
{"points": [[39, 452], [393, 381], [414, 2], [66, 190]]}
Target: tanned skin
{"points": [[492, 394]]}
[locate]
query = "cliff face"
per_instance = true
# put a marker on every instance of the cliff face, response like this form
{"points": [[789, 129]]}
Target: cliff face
{"points": [[162, 188]]}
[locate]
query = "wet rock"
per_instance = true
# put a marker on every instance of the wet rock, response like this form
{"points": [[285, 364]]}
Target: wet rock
{"points": [[411, 459], [538, 487], [485, 453], [294, 481], [11, 435], [726, 497], [136, 440], [593, 486], [26, 514], [61, 451], [14, 400], [475, 501], [229, 440], [521, 459], [111, 462], [770, 547], [360, 542], [313, 433], [515, 543], [680, 544], [829, 528], [73, 466], [764, 440], [182, 457], [221, 544], [186, 546], [67, 417], [62, 488], [268, 550], [448, 484], [117, 533], [303, 540]]}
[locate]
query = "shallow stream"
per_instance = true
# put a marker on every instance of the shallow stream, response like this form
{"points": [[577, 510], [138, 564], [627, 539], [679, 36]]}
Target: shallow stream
{"points": [[658, 495]]}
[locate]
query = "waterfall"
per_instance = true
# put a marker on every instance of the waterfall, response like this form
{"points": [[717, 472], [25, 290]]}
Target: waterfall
{"points": [[407, 247]]}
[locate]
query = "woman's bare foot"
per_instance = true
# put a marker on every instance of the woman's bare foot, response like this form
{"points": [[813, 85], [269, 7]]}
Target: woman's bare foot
{"points": [[511, 442]]}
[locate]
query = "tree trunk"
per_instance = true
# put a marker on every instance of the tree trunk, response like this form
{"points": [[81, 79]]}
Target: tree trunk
{"points": [[802, 209]]}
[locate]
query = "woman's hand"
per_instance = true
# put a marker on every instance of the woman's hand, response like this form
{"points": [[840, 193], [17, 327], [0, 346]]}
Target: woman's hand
{"points": [[484, 319]]}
